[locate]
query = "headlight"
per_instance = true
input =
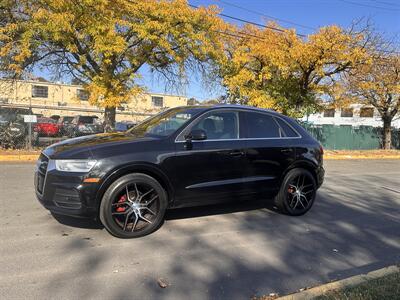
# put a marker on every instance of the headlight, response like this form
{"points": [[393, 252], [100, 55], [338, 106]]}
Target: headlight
{"points": [[78, 165]]}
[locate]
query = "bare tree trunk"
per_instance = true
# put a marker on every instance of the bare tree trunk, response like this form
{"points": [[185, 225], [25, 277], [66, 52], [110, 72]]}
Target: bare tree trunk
{"points": [[109, 119], [387, 133]]}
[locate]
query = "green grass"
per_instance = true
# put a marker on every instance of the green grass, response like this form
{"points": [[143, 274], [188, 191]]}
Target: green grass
{"points": [[384, 288]]}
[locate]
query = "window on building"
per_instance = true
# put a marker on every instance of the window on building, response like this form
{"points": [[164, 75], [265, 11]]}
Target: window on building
{"points": [[82, 94], [157, 101], [347, 113], [366, 112], [40, 91], [329, 113]]}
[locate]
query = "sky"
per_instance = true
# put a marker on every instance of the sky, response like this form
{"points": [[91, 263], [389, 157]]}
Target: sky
{"points": [[306, 16]]}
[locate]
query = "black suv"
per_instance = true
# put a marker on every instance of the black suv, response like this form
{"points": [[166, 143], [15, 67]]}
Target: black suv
{"points": [[185, 156]]}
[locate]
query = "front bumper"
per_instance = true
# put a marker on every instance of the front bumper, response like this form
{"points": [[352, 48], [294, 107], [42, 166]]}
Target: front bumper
{"points": [[65, 193], [320, 176]]}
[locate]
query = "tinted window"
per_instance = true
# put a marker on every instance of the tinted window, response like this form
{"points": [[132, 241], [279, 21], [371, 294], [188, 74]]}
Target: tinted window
{"points": [[261, 126], [289, 131], [220, 125]]}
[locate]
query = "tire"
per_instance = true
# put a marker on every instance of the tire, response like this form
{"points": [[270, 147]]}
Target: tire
{"points": [[125, 215], [297, 193]]}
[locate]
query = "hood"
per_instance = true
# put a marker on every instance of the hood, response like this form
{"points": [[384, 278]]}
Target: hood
{"points": [[82, 147]]}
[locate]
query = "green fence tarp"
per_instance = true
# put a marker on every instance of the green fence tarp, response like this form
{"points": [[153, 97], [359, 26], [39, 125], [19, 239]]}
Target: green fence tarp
{"points": [[346, 137]]}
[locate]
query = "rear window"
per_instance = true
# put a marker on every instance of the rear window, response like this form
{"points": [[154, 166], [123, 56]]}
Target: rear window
{"points": [[87, 120], [261, 126], [288, 130]]}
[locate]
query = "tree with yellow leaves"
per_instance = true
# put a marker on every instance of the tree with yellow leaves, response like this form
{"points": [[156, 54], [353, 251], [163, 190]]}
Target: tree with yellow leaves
{"points": [[278, 69], [103, 44], [377, 84]]}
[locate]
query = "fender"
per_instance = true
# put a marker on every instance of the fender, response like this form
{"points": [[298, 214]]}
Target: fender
{"points": [[138, 167], [305, 164]]}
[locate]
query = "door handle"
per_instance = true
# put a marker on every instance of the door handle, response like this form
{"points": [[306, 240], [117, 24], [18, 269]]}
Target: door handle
{"points": [[287, 150], [236, 153]]}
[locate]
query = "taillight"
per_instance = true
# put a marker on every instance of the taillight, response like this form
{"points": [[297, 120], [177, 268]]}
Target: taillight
{"points": [[321, 149]]}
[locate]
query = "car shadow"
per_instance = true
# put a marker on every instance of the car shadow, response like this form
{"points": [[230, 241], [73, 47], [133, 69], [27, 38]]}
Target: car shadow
{"points": [[78, 222]]}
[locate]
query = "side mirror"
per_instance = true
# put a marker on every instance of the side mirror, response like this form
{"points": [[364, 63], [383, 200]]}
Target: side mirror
{"points": [[196, 135]]}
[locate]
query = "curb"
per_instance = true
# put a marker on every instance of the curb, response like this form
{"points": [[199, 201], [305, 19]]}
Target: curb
{"points": [[349, 157], [19, 158], [344, 283]]}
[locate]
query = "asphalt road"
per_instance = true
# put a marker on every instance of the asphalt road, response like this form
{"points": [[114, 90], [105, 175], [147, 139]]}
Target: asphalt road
{"points": [[223, 252]]}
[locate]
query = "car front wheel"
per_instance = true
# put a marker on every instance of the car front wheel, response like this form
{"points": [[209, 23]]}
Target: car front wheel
{"points": [[133, 206], [297, 193]]}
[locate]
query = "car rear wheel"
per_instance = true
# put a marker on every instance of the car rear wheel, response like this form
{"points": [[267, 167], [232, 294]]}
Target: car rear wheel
{"points": [[297, 193], [133, 206]]}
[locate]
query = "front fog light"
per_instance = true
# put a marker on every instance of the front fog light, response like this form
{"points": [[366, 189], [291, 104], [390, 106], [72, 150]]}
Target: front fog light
{"points": [[79, 165]]}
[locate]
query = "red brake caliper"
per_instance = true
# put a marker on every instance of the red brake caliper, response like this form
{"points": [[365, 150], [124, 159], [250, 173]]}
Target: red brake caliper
{"points": [[121, 200]]}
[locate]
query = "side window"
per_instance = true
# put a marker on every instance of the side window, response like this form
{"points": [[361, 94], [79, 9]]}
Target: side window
{"points": [[289, 131], [220, 125], [261, 126]]}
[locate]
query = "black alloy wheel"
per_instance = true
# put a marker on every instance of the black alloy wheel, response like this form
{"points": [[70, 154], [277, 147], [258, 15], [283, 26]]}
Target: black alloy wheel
{"points": [[133, 206], [297, 193]]}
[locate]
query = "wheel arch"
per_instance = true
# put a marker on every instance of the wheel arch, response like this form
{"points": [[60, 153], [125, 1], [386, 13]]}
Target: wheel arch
{"points": [[144, 168], [303, 164]]}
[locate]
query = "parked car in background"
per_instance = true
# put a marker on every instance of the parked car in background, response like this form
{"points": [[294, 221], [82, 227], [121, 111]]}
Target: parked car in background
{"points": [[185, 156], [46, 127], [123, 126], [55, 117], [14, 132], [64, 123], [85, 125]]}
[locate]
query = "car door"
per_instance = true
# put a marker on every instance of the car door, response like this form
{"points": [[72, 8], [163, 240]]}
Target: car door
{"points": [[212, 169], [270, 150]]}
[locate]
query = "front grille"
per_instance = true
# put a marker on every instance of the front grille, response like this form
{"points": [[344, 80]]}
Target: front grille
{"points": [[41, 172]]}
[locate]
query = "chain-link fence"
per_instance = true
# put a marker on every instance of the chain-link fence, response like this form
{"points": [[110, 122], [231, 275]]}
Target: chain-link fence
{"points": [[23, 128]]}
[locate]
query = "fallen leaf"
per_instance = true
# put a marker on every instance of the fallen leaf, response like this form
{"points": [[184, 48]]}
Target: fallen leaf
{"points": [[162, 283]]}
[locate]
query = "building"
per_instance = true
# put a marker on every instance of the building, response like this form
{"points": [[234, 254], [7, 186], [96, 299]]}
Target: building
{"points": [[355, 115], [48, 98]]}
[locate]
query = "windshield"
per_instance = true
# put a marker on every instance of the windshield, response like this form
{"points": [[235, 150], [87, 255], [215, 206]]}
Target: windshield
{"points": [[165, 123], [68, 119]]}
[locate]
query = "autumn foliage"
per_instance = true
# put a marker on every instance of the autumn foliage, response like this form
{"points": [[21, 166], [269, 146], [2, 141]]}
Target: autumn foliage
{"points": [[103, 43], [286, 72]]}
